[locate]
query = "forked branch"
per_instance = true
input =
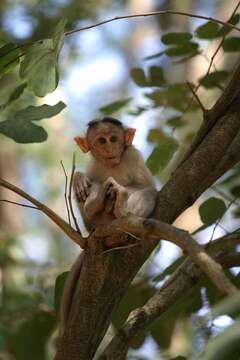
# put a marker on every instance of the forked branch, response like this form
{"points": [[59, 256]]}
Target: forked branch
{"points": [[156, 230], [182, 280], [61, 223]]}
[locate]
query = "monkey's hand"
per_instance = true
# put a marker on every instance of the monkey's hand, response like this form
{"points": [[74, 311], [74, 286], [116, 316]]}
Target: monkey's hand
{"points": [[120, 195], [81, 186]]}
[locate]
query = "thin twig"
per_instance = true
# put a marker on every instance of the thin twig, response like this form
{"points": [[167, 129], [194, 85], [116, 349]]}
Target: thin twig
{"points": [[212, 59], [62, 224], [120, 248], [154, 13], [70, 195], [17, 203], [221, 42], [196, 96], [65, 192], [219, 220]]}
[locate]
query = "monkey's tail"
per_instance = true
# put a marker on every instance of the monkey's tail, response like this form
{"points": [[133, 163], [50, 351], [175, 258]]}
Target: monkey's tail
{"points": [[68, 292]]}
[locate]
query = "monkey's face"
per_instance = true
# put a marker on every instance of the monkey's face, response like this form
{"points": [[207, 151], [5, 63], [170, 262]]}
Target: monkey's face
{"points": [[107, 143]]}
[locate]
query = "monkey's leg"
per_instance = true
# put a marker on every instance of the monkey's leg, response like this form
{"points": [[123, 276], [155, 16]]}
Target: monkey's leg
{"points": [[96, 201], [121, 195], [141, 202]]}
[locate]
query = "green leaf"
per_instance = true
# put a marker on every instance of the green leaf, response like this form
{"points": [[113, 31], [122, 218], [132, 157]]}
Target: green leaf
{"points": [[161, 156], [138, 77], [235, 191], [20, 127], [175, 96], [4, 334], [176, 122], [187, 57], [177, 38], [185, 49], [226, 29], [114, 106], [138, 111], [154, 56], [58, 35], [9, 58], [162, 332], [14, 96], [39, 66], [213, 79], [136, 296], [212, 210], [58, 290], [231, 44], [156, 76], [30, 339], [210, 30]]}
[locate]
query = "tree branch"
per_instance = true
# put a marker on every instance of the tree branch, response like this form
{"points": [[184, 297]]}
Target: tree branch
{"points": [[104, 278], [182, 280], [221, 42], [62, 224], [154, 13], [151, 229], [19, 204]]}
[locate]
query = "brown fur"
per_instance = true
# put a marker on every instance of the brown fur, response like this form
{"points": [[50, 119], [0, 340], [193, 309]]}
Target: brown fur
{"points": [[116, 182]]}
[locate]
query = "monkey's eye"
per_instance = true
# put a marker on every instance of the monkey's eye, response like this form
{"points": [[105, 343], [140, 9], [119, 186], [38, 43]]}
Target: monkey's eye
{"points": [[113, 139], [102, 140]]}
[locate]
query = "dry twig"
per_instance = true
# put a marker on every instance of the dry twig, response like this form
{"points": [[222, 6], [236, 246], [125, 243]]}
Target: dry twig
{"points": [[62, 224], [65, 192], [196, 96], [70, 195], [19, 204], [154, 13]]}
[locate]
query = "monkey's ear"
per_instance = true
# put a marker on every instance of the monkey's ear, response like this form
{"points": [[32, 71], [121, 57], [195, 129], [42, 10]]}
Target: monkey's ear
{"points": [[129, 135], [82, 143]]}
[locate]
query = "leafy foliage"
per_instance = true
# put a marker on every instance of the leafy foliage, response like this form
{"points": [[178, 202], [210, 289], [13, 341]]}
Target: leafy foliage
{"points": [[29, 340], [14, 96], [21, 127], [39, 73], [114, 106], [212, 210], [213, 79], [58, 290], [155, 78], [9, 58], [39, 66]]}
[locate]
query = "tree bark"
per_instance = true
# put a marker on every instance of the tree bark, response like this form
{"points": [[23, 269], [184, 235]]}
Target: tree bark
{"points": [[104, 278]]}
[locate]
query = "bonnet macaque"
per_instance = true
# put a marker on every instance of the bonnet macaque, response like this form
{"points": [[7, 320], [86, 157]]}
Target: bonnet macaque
{"points": [[116, 182]]}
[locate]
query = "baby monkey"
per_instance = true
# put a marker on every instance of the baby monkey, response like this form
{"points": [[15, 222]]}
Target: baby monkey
{"points": [[117, 180]]}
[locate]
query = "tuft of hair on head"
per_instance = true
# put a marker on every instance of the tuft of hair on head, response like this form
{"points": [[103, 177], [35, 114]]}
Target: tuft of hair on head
{"points": [[105, 120]]}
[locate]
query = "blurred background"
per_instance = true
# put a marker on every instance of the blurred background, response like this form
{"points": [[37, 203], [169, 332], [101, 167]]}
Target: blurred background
{"points": [[97, 79]]}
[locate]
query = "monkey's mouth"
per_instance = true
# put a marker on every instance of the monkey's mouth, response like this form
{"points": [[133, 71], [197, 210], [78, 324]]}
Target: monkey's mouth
{"points": [[113, 160]]}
